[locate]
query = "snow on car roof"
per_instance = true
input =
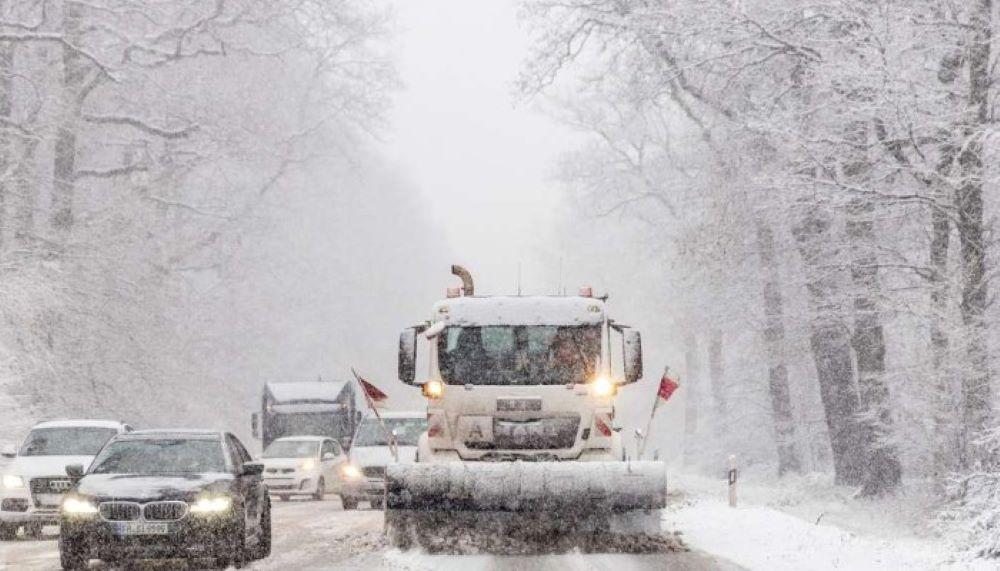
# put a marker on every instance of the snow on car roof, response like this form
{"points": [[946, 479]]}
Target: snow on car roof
{"points": [[79, 423], [312, 391], [305, 438], [399, 414], [519, 310], [172, 432]]}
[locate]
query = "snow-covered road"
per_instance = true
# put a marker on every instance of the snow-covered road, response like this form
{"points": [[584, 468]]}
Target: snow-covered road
{"points": [[311, 535]]}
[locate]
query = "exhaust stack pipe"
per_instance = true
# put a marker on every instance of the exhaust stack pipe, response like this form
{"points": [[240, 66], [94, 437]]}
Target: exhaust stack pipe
{"points": [[467, 285]]}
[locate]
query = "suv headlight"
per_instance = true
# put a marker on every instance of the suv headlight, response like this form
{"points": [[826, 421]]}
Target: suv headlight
{"points": [[78, 506], [12, 482], [211, 504], [350, 472], [309, 464]]}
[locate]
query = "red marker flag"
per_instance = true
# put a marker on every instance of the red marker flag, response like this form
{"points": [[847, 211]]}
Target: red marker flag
{"points": [[372, 396], [371, 391], [667, 387]]}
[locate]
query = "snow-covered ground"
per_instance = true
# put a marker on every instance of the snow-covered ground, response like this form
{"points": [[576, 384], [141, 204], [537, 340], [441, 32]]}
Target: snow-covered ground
{"points": [[809, 524]]}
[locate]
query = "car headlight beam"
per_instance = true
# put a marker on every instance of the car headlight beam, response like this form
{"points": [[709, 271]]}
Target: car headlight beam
{"points": [[351, 472], [603, 386], [78, 506], [12, 482], [309, 464], [211, 505]]}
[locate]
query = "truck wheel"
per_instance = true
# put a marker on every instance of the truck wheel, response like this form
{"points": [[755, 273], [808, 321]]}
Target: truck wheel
{"points": [[349, 503], [72, 554], [320, 490]]}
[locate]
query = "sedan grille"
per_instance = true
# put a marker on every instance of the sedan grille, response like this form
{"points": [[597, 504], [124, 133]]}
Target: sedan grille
{"points": [[164, 511], [374, 471], [119, 511]]}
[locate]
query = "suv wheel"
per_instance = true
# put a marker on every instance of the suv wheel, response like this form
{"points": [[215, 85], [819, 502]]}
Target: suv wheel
{"points": [[236, 550], [264, 541], [320, 490], [72, 554], [349, 503], [8, 531]]}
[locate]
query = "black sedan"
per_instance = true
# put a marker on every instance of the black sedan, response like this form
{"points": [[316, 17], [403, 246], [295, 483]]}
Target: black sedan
{"points": [[167, 494]]}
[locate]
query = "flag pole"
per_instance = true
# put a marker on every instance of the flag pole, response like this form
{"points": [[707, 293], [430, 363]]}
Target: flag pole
{"points": [[371, 404]]}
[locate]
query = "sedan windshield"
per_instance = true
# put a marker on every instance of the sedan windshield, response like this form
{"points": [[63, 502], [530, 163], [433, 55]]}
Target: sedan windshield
{"points": [[66, 441], [519, 355], [408, 430], [160, 456], [292, 449]]}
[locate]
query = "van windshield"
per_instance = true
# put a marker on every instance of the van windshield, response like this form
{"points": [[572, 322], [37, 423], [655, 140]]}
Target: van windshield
{"points": [[408, 430], [519, 354]]}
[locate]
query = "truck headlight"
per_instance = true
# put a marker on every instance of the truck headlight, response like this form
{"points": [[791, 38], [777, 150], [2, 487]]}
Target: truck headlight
{"points": [[211, 505], [433, 389], [308, 464], [603, 387], [12, 482], [78, 506], [350, 472]]}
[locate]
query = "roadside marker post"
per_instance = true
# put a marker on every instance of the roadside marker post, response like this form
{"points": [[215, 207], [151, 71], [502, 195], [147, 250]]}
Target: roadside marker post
{"points": [[732, 481]]}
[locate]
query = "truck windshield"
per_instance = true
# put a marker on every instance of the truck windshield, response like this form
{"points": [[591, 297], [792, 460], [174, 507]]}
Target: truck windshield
{"points": [[161, 456], [519, 354], [292, 449], [408, 430], [66, 441]]}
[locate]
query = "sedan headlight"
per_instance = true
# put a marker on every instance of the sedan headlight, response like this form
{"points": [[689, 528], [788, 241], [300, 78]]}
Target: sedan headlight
{"points": [[12, 482], [78, 506], [211, 505], [308, 464], [350, 472]]}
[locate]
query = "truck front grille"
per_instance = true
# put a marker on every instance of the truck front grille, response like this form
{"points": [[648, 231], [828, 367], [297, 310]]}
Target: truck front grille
{"points": [[554, 433], [374, 471]]}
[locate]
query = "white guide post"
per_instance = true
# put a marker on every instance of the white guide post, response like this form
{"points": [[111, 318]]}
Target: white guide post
{"points": [[732, 481]]}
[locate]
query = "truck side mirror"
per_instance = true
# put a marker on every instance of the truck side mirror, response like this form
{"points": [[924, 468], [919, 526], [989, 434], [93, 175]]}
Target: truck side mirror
{"points": [[74, 471], [255, 424], [632, 352], [408, 355]]}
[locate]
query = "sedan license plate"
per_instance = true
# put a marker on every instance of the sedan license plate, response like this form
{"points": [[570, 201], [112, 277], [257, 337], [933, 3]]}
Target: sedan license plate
{"points": [[141, 528]]}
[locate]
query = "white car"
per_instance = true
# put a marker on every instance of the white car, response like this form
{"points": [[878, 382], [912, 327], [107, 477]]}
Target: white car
{"points": [[364, 475], [303, 465], [33, 483]]}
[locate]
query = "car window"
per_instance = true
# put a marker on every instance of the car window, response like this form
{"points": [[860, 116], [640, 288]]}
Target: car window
{"points": [[233, 453], [168, 455], [66, 441], [328, 448]]}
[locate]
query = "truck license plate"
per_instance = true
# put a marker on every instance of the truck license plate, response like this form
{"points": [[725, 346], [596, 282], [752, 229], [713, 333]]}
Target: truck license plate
{"points": [[140, 528]]}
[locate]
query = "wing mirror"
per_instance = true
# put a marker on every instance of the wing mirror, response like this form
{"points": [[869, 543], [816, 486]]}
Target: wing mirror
{"points": [[74, 471], [8, 451], [252, 469], [632, 353], [408, 355]]}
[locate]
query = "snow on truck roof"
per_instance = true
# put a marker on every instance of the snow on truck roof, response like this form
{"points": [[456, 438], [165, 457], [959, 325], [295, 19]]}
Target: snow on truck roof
{"points": [[83, 423], [520, 310], [312, 391]]}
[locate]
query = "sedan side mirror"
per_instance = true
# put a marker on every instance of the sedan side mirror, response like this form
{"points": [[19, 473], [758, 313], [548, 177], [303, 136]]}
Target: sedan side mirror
{"points": [[408, 355], [8, 451], [74, 471], [329, 456], [632, 353], [252, 469]]}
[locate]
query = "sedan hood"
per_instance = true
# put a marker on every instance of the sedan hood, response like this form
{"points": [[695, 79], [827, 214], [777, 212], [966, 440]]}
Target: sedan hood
{"points": [[153, 487], [285, 462], [381, 455], [44, 466]]}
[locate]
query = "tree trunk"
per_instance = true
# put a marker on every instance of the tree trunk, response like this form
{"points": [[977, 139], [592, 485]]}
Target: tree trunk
{"points": [[883, 470], [692, 367], [64, 154], [774, 341], [831, 349], [976, 410]]}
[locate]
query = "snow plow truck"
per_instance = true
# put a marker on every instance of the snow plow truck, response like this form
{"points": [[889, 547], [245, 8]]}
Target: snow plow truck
{"points": [[521, 438]]}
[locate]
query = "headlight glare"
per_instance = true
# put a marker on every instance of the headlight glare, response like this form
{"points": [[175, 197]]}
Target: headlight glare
{"points": [[308, 464], [12, 482], [211, 505], [78, 506], [351, 472], [433, 389], [603, 386]]}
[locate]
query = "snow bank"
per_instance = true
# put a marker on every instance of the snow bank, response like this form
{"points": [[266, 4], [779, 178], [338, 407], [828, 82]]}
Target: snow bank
{"points": [[763, 538]]}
